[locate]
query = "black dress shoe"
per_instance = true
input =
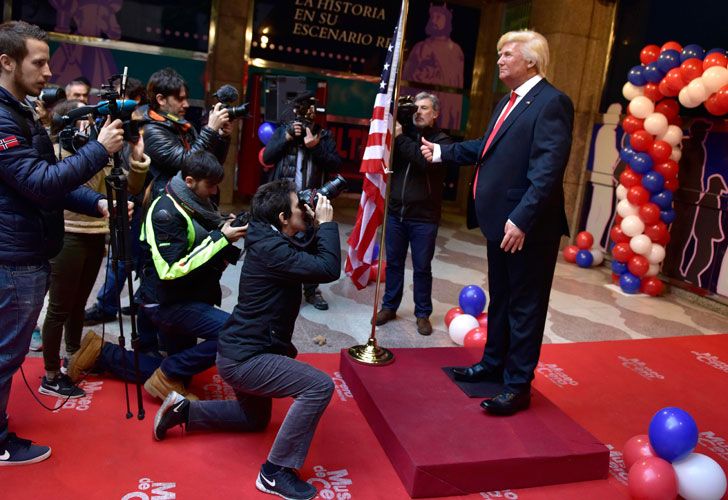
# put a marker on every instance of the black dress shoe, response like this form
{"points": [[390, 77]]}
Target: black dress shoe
{"points": [[476, 373], [507, 403]]}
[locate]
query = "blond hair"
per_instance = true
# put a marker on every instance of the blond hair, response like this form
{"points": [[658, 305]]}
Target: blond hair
{"points": [[534, 47]]}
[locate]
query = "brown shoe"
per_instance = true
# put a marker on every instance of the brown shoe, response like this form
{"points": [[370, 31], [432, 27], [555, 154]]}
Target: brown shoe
{"points": [[384, 315], [424, 327], [85, 358], [160, 385]]}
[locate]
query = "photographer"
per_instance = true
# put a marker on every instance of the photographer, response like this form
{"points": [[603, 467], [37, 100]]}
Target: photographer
{"points": [[415, 202], [306, 155], [169, 138], [255, 352], [34, 189]]}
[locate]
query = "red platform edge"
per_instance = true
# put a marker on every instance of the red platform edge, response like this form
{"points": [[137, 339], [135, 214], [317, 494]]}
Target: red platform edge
{"points": [[454, 464]]}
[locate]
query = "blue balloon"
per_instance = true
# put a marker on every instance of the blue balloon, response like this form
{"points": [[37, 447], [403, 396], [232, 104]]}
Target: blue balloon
{"points": [[629, 283], [668, 59], [653, 181], [626, 154], [663, 199], [584, 258], [717, 49], [641, 163], [265, 132], [626, 141], [673, 434], [472, 300], [668, 216], [635, 75], [619, 267], [692, 51], [653, 73]]}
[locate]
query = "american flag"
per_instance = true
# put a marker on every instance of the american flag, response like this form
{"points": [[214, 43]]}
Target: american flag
{"points": [[373, 166]]}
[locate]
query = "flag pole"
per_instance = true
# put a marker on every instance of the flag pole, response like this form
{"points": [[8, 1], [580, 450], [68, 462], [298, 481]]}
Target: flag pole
{"points": [[371, 353]]}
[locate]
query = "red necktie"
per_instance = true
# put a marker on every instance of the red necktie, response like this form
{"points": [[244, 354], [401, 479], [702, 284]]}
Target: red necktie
{"points": [[497, 127]]}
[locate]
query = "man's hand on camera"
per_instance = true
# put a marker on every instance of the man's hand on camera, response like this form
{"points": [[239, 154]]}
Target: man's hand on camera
{"points": [[232, 233], [324, 210], [111, 135], [226, 129], [310, 140], [427, 149], [297, 130], [218, 117], [103, 207], [137, 150]]}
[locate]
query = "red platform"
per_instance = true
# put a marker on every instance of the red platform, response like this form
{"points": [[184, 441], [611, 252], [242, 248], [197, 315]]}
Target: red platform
{"points": [[442, 443]]}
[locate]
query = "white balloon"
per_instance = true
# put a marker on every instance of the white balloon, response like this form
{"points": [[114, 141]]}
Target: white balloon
{"points": [[625, 208], [673, 136], [653, 270], [656, 254], [714, 78], [632, 225], [621, 192], [697, 91], [699, 477], [641, 106], [640, 244], [676, 154], [656, 124], [460, 326], [686, 100], [597, 256], [630, 91]]}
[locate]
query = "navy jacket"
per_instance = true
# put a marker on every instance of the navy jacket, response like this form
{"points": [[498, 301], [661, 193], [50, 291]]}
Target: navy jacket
{"points": [[269, 295], [34, 188]]}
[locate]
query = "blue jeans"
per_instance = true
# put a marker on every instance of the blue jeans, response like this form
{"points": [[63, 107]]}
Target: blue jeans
{"points": [[421, 237], [120, 363], [181, 325], [257, 380], [22, 290]]}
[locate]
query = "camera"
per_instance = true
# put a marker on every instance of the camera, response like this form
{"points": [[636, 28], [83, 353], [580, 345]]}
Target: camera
{"points": [[331, 190], [228, 94], [406, 109], [304, 108], [50, 96], [241, 219]]}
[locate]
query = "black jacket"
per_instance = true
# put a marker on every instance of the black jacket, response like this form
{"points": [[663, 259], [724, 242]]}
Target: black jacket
{"points": [[168, 143], [318, 162], [269, 294], [415, 191], [34, 188]]}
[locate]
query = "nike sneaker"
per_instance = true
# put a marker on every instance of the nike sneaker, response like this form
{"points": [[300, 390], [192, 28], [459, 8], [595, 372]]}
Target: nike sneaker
{"points": [[286, 484], [175, 410], [60, 386], [18, 451]]}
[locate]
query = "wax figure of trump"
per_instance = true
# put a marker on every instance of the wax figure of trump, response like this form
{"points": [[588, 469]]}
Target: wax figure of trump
{"points": [[519, 205]]}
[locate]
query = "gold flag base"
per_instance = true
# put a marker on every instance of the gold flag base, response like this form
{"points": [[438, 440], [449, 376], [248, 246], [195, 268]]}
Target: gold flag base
{"points": [[371, 354]]}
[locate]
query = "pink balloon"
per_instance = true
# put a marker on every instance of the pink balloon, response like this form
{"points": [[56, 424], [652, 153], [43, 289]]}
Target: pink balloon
{"points": [[635, 449]]}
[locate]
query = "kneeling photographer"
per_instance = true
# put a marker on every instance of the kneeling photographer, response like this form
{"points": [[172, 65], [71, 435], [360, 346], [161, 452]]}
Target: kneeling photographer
{"points": [[255, 352]]}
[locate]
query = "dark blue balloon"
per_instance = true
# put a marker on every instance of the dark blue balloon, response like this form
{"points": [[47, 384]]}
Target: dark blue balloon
{"points": [[663, 199], [653, 181], [668, 59], [626, 141], [584, 258], [673, 434], [668, 216], [717, 49], [626, 154], [265, 132], [472, 300], [635, 75], [692, 51], [641, 163], [653, 73], [619, 267], [629, 283]]}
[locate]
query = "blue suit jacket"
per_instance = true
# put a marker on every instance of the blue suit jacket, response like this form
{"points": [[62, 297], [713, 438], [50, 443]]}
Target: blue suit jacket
{"points": [[520, 177]]}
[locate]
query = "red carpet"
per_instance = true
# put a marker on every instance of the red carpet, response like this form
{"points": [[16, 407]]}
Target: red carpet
{"points": [[610, 388]]}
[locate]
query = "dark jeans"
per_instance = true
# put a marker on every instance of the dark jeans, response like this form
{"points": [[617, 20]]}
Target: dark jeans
{"points": [[73, 274], [120, 363], [421, 237], [255, 382], [181, 325], [22, 290]]}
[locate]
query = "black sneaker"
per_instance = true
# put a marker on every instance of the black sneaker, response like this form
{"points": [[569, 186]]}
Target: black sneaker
{"points": [[286, 484], [95, 315], [317, 300], [175, 410], [18, 451], [61, 386]]}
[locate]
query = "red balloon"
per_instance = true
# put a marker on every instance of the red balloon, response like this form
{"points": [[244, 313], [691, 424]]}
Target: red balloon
{"points": [[668, 168], [617, 235], [656, 231], [260, 159], [641, 140], [570, 253], [721, 97], [671, 45], [672, 184], [455, 311], [677, 121], [476, 337], [660, 151], [638, 265], [615, 278], [668, 107], [637, 195], [652, 478], [483, 319], [649, 54], [622, 252], [637, 448], [632, 124], [715, 59], [664, 240], [652, 92], [652, 285], [584, 240], [667, 90], [674, 80], [649, 213], [713, 106], [629, 178], [690, 69]]}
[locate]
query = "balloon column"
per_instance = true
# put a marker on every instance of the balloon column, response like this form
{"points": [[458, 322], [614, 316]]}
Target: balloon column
{"points": [[583, 254], [468, 324], [652, 151], [663, 465]]}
